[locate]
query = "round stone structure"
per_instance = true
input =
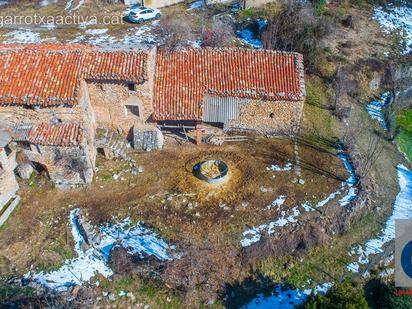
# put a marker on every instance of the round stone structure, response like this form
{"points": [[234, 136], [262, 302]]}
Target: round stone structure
{"points": [[212, 171]]}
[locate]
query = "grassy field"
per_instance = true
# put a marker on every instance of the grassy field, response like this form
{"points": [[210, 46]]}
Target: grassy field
{"points": [[404, 120]]}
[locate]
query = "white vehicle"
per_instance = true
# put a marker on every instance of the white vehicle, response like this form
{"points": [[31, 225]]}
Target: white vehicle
{"points": [[141, 14]]}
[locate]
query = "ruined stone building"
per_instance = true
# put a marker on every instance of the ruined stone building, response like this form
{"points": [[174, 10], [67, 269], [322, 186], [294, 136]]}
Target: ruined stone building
{"points": [[59, 103]]}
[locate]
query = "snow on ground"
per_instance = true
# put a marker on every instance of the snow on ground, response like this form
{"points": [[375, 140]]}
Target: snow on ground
{"points": [[277, 168], [96, 37], [396, 18], [277, 202], [250, 38], [141, 35], [376, 108], [198, 4], [348, 187], [22, 36], [70, 7], [135, 238], [282, 298], [402, 210], [47, 2], [69, 4]]}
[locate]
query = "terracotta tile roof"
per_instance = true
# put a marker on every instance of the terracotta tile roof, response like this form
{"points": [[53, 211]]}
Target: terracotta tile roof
{"points": [[70, 134], [49, 75], [184, 77]]}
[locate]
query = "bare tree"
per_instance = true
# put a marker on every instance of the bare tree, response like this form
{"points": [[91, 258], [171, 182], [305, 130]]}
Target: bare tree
{"points": [[218, 34], [364, 148], [296, 28], [175, 33]]}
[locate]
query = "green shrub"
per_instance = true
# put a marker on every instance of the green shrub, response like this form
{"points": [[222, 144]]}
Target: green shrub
{"points": [[345, 295], [319, 6], [383, 295], [404, 121]]}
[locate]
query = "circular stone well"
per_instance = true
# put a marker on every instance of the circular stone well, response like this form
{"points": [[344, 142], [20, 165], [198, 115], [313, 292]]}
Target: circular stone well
{"points": [[212, 171]]}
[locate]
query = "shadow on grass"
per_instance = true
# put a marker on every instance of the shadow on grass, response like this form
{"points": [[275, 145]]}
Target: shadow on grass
{"points": [[240, 294]]}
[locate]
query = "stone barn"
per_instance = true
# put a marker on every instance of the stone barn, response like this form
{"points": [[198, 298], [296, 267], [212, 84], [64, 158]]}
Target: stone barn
{"points": [[240, 89]]}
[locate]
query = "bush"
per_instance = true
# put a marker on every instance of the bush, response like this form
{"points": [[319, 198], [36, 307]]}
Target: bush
{"points": [[345, 295], [383, 295], [218, 35], [296, 27], [175, 32]]}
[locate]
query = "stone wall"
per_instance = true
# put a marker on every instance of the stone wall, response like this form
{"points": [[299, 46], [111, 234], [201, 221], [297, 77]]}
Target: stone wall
{"points": [[282, 117], [8, 183], [19, 114], [109, 101], [66, 166], [89, 122]]}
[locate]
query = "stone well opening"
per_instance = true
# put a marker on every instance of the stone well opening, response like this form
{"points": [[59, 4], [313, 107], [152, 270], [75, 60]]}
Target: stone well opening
{"points": [[212, 171]]}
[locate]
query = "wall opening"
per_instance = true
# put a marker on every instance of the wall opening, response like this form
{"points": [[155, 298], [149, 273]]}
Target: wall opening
{"points": [[132, 110], [41, 169], [131, 86]]}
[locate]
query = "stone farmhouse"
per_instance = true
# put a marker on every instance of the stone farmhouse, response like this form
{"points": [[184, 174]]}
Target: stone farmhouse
{"points": [[58, 103]]}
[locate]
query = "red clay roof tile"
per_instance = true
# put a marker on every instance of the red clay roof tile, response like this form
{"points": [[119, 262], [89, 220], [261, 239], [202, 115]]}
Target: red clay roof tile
{"points": [[70, 134], [50, 74], [184, 77]]}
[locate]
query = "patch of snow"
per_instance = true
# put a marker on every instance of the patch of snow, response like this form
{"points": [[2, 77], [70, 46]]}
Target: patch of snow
{"points": [[350, 181], [68, 4], [47, 2], [402, 210], [277, 168], [22, 36], [396, 18], [254, 234], [375, 108], [135, 238], [198, 4], [277, 202], [282, 298], [140, 35], [250, 38], [195, 44], [96, 31]]}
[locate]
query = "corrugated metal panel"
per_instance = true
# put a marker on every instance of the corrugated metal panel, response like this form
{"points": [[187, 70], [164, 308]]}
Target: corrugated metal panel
{"points": [[222, 109]]}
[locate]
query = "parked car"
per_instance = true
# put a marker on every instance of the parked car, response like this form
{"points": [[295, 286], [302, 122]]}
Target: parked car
{"points": [[141, 14]]}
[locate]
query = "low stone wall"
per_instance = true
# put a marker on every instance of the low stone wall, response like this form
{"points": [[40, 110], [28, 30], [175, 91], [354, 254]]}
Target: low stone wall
{"points": [[265, 117]]}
